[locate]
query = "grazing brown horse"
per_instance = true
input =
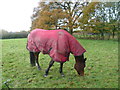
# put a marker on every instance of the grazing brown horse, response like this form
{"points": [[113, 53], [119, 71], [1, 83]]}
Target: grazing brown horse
{"points": [[58, 44]]}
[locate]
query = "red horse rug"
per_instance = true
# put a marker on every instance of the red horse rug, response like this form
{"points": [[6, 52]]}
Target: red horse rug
{"points": [[57, 43]]}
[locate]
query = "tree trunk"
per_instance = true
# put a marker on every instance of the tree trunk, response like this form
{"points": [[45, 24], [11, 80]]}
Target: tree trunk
{"points": [[118, 36], [113, 33], [55, 26], [71, 30], [102, 36], [108, 36]]}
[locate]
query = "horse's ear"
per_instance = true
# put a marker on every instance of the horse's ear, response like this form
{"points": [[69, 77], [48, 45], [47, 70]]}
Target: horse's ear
{"points": [[85, 59]]}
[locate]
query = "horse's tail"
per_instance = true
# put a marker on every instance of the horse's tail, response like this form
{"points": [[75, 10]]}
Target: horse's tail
{"points": [[32, 59]]}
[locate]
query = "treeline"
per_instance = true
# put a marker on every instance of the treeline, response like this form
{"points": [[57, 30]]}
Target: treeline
{"points": [[90, 19], [10, 35], [96, 36], [103, 22]]}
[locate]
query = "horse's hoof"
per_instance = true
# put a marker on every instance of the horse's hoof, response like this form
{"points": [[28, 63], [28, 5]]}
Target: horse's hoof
{"points": [[62, 75], [45, 75], [32, 65], [39, 69]]}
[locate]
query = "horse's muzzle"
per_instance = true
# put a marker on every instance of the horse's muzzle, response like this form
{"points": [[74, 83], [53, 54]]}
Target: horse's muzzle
{"points": [[81, 74]]}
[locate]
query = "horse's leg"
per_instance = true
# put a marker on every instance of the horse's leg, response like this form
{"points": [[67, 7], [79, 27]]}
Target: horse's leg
{"points": [[61, 69], [32, 59], [36, 58], [47, 70]]}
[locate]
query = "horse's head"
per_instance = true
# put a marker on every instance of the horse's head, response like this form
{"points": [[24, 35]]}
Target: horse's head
{"points": [[80, 64]]}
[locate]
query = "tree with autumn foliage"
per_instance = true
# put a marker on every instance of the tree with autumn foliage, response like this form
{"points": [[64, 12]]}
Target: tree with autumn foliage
{"points": [[49, 15], [104, 19], [46, 17]]}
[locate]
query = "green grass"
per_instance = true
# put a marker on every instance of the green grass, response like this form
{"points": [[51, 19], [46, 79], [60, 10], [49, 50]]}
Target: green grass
{"points": [[101, 70]]}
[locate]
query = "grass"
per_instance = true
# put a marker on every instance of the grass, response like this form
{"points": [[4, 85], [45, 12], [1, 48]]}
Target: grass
{"points": [[101, 70]]}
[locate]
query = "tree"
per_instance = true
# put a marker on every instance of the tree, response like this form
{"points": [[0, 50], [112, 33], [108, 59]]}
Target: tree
{"points": [[46, 16], [8, 35], [3, 34], [104, 19], [113, 16], [87, 19], [59, 14]]}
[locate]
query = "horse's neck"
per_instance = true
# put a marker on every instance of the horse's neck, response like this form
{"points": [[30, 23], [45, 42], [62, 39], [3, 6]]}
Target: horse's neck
{"points": [[79, 58]]}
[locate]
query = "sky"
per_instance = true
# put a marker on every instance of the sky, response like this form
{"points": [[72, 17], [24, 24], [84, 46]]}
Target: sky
{"points": [[15, 15]]}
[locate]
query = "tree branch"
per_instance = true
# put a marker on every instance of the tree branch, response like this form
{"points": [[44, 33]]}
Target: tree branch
{"points": [[77, 17]]}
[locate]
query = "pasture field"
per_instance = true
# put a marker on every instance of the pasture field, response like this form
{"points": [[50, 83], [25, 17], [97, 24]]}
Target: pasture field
{"points": [[101, 67]]}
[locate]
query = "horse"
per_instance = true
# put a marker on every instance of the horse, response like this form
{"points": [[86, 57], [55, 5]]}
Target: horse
{"points": [[58, 44]]}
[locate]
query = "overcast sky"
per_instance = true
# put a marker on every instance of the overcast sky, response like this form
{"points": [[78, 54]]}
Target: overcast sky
{"points": [[15, 14]]}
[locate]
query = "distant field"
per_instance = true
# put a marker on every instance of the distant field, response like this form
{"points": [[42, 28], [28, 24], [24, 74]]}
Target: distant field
{"points": [[101, 70]]}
